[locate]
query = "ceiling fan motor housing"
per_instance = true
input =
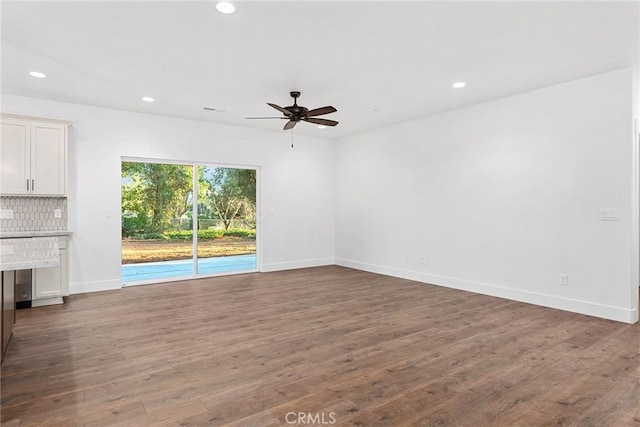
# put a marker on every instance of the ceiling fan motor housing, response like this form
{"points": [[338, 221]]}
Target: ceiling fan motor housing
{"points": [[298, 112]]}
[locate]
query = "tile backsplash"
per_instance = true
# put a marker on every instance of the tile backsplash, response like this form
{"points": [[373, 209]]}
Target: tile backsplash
{"points": [[33, 213]]}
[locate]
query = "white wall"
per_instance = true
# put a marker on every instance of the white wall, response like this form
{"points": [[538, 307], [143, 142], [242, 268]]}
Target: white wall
{"points": [[296, 184], [502, 198]]}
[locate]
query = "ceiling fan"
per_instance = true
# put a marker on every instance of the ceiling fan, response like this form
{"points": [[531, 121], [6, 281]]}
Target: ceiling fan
{"points": [[295, 113]]}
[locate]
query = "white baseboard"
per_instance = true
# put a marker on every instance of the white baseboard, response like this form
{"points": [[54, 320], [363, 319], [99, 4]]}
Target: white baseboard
{"points": [[101, 285], [552, 301], [291, 265], [108, 285]]}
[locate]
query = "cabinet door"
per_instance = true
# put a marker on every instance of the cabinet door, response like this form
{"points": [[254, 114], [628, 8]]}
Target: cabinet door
{"points": [[14, 157], [48, 153], [52, 282], [47, 283]]}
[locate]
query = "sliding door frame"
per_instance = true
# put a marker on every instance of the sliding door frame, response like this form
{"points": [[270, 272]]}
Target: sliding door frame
{"points": [[194, 212]]}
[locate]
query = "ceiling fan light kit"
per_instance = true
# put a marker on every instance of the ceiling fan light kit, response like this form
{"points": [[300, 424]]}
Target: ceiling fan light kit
{"points": [[296, 113]]}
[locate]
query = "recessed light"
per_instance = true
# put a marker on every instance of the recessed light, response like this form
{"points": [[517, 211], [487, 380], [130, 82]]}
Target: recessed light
{"points": [[459, 85], [147, 99], [225, 7], [321, 126], [37, 74]]}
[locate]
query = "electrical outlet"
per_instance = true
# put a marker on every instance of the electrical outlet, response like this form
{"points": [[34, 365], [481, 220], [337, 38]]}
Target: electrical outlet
{"points": [[57, 213], [280, 250], [564, 279], [6, 213]]}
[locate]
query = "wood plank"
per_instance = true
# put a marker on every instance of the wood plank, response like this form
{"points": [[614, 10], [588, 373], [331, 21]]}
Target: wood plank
{"points": [[374, 350]]}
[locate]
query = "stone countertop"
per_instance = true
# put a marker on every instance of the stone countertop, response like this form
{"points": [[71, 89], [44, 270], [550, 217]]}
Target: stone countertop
{"points": [[37, 252], [24, 234]]}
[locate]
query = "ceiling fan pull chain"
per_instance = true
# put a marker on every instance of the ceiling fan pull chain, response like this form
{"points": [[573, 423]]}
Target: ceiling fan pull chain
{"points": [[291, 138]]}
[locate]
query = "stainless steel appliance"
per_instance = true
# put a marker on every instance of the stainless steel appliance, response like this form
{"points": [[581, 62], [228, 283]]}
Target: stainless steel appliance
{"points": [[23, 288]]}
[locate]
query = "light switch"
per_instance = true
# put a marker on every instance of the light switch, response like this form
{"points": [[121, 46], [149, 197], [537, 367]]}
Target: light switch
{"points": [[609, 215]]}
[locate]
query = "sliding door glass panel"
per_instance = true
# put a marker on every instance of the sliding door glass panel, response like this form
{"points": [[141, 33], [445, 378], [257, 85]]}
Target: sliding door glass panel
{"points": [[157, 223], [226, 220]]}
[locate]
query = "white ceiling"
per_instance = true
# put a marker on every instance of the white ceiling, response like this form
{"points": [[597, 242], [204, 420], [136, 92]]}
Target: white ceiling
{"points": [[378, 63]]}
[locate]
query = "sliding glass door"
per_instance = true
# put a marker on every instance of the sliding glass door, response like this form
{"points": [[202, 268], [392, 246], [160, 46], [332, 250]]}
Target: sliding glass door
{"points": [[182, 221], [226, 220]]}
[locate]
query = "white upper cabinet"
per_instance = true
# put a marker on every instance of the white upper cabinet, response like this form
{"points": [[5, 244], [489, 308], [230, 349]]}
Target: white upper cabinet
{"points": [[15, 155], [33, 156], [48, 158]]}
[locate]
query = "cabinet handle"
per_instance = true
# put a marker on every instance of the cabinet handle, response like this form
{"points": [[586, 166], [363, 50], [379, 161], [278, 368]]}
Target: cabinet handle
{"points": [[33, 186]]}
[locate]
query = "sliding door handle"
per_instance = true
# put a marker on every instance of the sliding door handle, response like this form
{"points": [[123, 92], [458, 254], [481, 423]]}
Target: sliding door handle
{"points": [[33, 186], [27, 184]]}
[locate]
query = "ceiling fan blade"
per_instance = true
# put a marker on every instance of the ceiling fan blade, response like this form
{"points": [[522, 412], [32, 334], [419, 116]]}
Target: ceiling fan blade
{"points": [[321, 111], [290, 124], [252, 118], [323, 122], [279, 108]]}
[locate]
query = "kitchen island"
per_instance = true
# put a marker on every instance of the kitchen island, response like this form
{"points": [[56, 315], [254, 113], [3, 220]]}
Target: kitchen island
{"points": [[21, 254]]}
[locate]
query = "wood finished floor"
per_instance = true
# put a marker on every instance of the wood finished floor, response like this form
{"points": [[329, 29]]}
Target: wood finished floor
{"points": [[375, 351]]}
